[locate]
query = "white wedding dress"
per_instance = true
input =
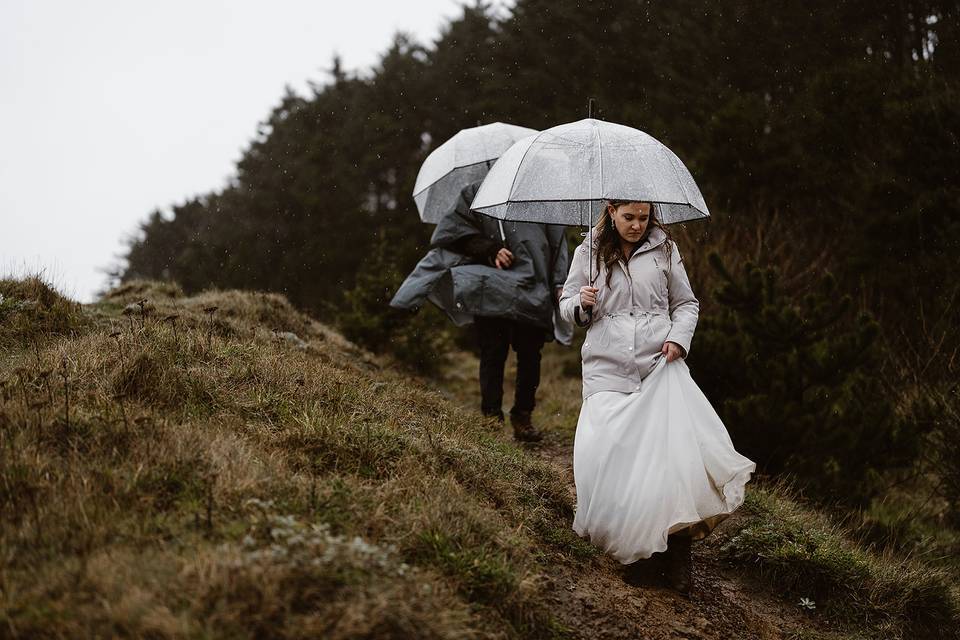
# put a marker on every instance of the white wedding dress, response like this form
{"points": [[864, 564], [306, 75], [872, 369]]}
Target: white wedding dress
{"points": [[654, 462]]}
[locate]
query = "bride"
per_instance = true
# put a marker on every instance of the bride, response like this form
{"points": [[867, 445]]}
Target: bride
{"points": [[654, 466]]}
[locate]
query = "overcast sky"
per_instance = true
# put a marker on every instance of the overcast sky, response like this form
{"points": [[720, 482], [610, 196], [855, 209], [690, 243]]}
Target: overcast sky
{"points": [[112, 108]]}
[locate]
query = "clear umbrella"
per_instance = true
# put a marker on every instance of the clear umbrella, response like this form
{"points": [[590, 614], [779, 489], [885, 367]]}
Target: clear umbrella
{"points": [[564, 175], [463, 159]]}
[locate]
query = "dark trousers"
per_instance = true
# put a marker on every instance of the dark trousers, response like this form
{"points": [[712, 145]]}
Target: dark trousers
{"points": [[496, 336]]}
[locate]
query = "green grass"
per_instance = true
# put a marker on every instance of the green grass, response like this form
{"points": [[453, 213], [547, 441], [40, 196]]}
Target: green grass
{"points": [[152, 506], [805, 556]]}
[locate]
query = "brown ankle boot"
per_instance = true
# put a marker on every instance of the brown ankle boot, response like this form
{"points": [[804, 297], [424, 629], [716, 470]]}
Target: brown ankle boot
{"points": [[523, 429], [679, 566]]}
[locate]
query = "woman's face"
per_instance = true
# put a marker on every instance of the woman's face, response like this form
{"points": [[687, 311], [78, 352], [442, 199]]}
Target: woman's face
{"points": [[631, 219]]}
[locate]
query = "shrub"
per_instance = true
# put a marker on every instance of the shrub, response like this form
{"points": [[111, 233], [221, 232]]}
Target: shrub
{"points": [[31, 309], [134, 290], [797, 379], [418, 340], [941, 408]]}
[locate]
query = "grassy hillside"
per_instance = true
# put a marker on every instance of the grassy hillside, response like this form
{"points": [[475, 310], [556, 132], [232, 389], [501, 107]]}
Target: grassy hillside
{"points": [[221, 466]]}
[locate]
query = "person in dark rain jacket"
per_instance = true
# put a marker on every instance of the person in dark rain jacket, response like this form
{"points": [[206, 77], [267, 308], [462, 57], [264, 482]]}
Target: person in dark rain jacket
{"points": [[508, 286]]}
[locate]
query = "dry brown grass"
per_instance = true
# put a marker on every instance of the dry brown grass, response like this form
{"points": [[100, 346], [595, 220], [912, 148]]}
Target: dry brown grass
{"points": [[798, 251], [205, 475], [191, 470], [31, 310]]}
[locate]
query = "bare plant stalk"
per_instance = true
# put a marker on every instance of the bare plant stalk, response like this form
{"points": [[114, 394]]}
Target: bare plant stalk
{"points": [[128, 313], [66, 390], [21, 373], [172, 319], [5, 437], [210, 311], [36, 515], [45, 375], [142, 303], [210, 483], [116, 336], [123, 412]]}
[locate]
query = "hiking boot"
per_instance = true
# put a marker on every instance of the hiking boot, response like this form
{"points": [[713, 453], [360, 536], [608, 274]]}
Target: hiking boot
{"points": [[498, 416], [647, 572], [679, 566], [523, 429]]}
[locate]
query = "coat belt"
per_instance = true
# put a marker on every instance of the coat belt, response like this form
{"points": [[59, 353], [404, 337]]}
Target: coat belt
{"points": [[637, 312]]}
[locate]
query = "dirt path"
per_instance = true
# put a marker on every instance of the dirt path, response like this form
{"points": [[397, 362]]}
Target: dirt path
{"points": [[592, 598], [724, 604]]}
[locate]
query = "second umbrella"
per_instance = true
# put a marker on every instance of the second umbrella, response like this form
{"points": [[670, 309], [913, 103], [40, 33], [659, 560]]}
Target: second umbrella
{"points": [[463, 159]]}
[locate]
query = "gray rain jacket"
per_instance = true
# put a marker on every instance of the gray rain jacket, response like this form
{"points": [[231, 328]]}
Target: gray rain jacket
{"points": [[525, 292], [649, 301]]}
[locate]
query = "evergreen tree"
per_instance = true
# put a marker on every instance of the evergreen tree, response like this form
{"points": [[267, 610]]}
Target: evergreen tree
{"points": [[797, 383], [417, 340], [843, 115]]}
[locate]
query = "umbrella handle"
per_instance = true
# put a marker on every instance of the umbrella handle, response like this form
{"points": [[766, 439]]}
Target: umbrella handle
{"points": [[578, 321]]}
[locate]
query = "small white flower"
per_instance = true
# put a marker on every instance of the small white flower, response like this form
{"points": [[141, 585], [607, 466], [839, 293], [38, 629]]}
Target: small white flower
{"points": [[807, 604], [287, 521]]}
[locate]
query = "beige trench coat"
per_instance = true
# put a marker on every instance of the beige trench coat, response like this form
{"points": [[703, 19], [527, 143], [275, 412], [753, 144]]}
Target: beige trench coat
{"points": [[649, 301]]}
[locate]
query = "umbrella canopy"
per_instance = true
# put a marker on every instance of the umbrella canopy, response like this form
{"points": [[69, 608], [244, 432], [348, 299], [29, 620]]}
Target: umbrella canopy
{"points": [[564, 174], [463, 159]]}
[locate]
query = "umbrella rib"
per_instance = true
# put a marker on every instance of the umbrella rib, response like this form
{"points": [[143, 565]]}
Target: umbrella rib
{"points": [[465, 166], [517, 174], [558, 139], [596, 131], [600, 156]]}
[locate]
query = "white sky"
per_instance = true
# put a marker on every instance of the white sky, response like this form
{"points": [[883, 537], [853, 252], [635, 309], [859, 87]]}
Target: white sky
{"points": [[111, 108]]}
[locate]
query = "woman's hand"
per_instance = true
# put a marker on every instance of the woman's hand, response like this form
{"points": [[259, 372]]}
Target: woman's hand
{"points": [[503, 259], [672, 350], [588, 297]]}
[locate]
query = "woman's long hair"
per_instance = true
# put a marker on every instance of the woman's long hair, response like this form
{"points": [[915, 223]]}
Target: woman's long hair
{"points": [[607, 241]]}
